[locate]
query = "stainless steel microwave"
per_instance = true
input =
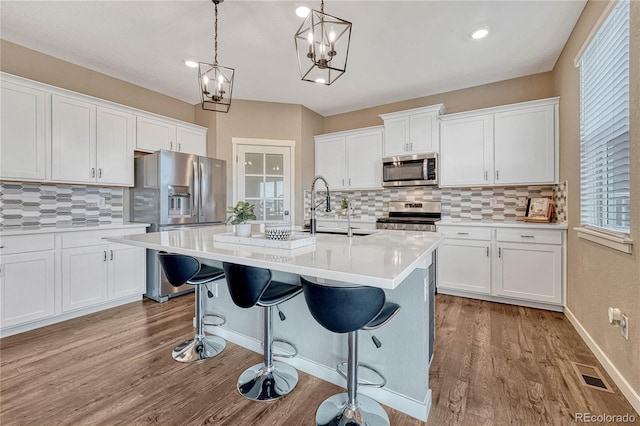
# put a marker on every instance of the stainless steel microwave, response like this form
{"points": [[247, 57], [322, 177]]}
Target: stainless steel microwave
{"points": [[410, 170]]}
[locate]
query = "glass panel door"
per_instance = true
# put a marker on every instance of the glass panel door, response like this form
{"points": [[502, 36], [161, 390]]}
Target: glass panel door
{"points": [[264, 179]]}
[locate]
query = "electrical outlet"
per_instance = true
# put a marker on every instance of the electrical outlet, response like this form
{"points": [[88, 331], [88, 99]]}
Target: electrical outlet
{"points": [[624, 326], [521, 201]]}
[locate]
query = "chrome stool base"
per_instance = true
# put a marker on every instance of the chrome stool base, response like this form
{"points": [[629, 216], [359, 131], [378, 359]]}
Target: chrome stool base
{"points": [[334, 411], [261, 384], [198, 349]]}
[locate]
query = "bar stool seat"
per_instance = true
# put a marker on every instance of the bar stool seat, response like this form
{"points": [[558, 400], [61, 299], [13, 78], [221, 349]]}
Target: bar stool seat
{"points": [[251, 286], [347, 309], [180, 269]]}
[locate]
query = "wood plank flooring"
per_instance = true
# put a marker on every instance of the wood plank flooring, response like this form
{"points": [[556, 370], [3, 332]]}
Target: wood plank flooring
{"points": [[494, 365]]}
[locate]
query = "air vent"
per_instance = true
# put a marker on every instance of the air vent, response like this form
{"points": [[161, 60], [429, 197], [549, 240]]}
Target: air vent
{"points": [[591, 377]]}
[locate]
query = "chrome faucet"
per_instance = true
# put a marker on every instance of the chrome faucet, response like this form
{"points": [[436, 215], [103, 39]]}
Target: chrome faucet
{"points": [[327, 202]]}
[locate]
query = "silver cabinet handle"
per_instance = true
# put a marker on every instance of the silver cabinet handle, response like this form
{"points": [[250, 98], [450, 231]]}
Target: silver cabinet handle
{"points": [[463, 233], [497, 174], [179, 147], [104, 258], [93, 172], [486, 175], [342, 182], [111, 256], [170, 145], [100, 173], [487, 251], [499, 252], [349, 181], [411, 147], [527, 236]]}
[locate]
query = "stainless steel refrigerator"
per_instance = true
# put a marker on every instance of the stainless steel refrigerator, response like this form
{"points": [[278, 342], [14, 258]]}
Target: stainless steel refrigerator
{"points": [[174, 190]]}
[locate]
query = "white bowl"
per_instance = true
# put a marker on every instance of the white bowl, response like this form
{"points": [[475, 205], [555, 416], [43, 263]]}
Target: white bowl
{"points": [[277, 230]]}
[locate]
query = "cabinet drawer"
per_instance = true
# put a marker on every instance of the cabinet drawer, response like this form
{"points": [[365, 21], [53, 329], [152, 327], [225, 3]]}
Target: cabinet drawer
{"points": [[523, 235], [466, 232], [26, 243], [94, 238]]}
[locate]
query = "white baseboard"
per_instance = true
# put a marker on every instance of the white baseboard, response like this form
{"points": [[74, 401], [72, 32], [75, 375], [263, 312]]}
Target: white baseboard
{"points": [[499, 299], [412, 407], [632, 396]]}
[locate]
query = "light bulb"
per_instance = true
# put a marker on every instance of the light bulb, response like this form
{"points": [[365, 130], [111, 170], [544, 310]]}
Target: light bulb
{"points": [[332, 36], [310, 37]]}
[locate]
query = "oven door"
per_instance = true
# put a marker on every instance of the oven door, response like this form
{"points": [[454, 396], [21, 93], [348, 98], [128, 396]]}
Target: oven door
{"points": [[411, 170]]}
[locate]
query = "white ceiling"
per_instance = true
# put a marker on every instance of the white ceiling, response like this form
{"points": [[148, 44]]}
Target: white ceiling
{"points": [[399, 49]]}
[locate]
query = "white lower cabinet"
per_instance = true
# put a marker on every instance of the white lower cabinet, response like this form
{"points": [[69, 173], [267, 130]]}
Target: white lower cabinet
{"points": [[511, 265], [47, 278], [26, 287]]}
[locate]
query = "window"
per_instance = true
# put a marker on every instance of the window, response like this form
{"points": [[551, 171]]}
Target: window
{"points": [[604, 125]]}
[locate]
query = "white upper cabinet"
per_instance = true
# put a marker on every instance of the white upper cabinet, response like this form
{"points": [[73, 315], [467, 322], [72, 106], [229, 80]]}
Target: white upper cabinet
{"points": [[413, 131], [91, 144], [155, 134], [466, 152], [508, 145], [25, 135], [524, 144], [73, 140], [116, 133], [191, 141], [351, 159]]}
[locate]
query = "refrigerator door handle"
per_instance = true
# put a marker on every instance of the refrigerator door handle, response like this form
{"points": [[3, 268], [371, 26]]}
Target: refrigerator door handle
{"points": [[193, 189], [200, 189]]}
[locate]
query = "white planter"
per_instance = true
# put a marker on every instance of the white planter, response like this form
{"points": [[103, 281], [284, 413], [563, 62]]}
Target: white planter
{"points": [[243, 230]]}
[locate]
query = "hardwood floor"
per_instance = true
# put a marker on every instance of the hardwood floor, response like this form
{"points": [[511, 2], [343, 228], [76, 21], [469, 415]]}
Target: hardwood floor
{"points": [[494, 364]]}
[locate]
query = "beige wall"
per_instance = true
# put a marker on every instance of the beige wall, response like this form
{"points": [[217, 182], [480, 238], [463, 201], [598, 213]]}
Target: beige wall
{"points": [[27, 63], [537, 86], [312, 124], [267, 120], [599, 277]]}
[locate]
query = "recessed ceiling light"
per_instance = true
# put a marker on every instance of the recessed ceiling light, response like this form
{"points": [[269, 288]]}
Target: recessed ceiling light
{"points": [[302, 11], [321, 80], [479, 33], [191, 64]]}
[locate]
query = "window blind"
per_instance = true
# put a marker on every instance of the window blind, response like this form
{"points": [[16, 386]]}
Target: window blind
{"points": [[604, 125]]}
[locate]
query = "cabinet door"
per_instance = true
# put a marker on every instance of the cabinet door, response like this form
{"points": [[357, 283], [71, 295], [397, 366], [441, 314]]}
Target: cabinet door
{"points": [[530, 272], [115, 145], [423, 133], [364, 159], [524, 146], [24, 135], [73, 147], [465, 265], [466, 151], [396, 136], [26, 287], [84, 277], [126, 271], [191, 141], [330, 161], [153, 135]]}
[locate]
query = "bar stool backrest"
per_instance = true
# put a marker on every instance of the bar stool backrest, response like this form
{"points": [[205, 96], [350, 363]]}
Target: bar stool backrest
{"points": [[246, 283], [178, 268], [342, 309]]}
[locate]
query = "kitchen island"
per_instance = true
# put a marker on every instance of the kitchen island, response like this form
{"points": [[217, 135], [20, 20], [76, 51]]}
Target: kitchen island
{"points": [[400, 262]]}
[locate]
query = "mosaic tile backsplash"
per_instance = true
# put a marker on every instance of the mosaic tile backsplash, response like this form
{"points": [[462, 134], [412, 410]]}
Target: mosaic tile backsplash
{"points": [[37, 205], [488, 203]]}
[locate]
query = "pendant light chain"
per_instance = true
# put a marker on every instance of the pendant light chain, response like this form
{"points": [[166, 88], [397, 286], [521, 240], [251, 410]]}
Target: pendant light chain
{"points": [[215, 47]]}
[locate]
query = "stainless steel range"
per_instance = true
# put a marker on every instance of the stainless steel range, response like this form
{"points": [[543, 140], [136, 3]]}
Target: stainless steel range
{"points": [[411, 216]]}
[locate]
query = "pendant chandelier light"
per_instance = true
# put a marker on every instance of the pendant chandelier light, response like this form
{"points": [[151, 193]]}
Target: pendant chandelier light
{"points": [[215, 81], [322, 45]]}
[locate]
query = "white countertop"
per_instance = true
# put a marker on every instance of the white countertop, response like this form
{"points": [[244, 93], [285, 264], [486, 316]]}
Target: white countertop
{"points": [[502, 224], [5, 232], [383, 259]]}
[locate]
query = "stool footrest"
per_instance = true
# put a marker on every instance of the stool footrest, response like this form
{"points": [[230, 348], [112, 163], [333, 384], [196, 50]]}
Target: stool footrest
{"points": [[207, 320], [383, 380], [285, 355]]}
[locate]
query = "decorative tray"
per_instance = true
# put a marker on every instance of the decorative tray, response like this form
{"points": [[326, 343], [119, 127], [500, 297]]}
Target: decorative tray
{"points": [[295, 240]]}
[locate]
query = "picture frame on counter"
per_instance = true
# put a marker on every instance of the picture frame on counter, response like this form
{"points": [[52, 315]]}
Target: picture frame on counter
{"points": [[538, 210]]}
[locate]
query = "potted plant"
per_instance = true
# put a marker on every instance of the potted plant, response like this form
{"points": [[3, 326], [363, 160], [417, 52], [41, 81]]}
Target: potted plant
{"points": [[240, 214]]}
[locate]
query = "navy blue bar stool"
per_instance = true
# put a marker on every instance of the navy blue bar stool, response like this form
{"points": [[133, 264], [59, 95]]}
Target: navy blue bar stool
{"points": [[347, 309], [181, 269], [251, 286]]}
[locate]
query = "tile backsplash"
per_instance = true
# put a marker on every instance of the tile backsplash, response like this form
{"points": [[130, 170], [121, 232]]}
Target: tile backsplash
{"points": [[485, 203], [24, 204]]}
